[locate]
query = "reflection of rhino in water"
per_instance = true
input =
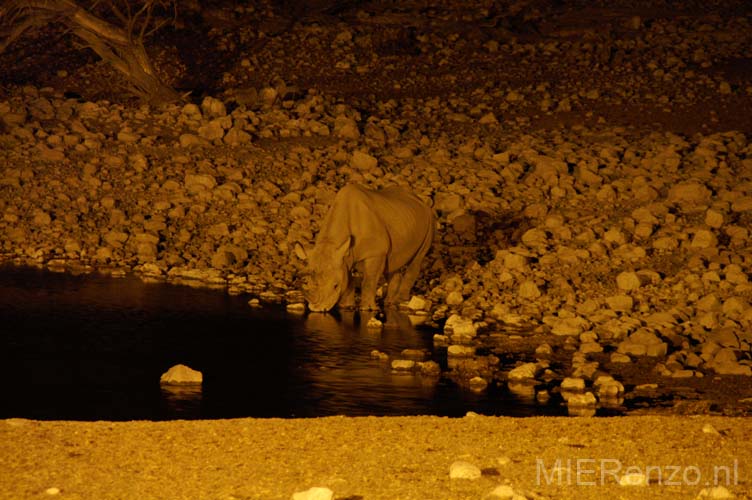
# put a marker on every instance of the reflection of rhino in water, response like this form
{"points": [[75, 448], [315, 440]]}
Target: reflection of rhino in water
{"points": [[382, 232]]}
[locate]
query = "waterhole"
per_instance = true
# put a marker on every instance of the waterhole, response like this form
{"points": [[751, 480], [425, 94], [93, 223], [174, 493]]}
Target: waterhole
{"points": [[93, 347]]}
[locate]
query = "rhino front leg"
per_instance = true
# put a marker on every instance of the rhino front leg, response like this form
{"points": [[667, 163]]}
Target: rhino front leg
{"points": [[372, 270], [347, 300]]}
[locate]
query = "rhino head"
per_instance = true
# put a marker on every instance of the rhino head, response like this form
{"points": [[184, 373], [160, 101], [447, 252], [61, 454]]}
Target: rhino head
{"points": [[328, 275]]}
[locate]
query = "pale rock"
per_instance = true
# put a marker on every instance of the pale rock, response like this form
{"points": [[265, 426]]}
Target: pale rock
{"points": [[418, 303], [464, 470], [535, 238], [586, 399], [346, 128], [457, 326], [691, 195], [571, 384], [460, 351], [315, 493], [363, 161], [181, 375], [704, 238], [213, 107], [633, 479], [620, 303], [525, 371], [478, 384], [628, 280], [454, 298], [446, 202], [618, 357], [715, 493], [199, 182], [374, 323], [403, 365], [529, 290], [713, 219]]}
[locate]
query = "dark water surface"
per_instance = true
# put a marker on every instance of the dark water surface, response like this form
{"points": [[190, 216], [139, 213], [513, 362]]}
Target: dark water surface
{"points": [[92, 347]]}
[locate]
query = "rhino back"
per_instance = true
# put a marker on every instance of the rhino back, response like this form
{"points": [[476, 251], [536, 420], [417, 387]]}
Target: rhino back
{"points": [[391, 221]]}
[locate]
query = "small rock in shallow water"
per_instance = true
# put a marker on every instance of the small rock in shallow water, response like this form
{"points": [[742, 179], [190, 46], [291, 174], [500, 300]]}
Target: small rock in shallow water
{"points": [[181, 375], [633, 479], [716, 492]]}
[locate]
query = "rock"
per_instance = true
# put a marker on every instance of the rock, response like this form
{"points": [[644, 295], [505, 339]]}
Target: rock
{"points": [[529, 290], [346, 128], [620, 303], [363, 161], [199, 182], [403, 365], [628, 280], [504, 492], [524, 372], [213, 108], [725, 363], [643, 342], [716, 493], [315, 493], [464, 470], [374, 323], [633, 479], [478, 384], [457, 326], [181, 375], [581, 400], [570, 384], [418, 303], [690, 195], [460, 351]]}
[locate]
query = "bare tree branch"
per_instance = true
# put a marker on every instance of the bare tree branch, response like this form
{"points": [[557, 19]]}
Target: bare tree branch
{"points": [[122, 46]]}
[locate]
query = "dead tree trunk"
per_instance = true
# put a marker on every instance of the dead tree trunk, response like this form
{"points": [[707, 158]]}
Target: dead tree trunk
{"points": [[122, 47]]}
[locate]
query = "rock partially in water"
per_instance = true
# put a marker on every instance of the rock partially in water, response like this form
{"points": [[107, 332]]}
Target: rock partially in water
{"points": [[181, 375]]}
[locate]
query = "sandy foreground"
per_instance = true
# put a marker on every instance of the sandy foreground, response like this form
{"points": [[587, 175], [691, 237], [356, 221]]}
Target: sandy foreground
{"points": [[375, 458]]}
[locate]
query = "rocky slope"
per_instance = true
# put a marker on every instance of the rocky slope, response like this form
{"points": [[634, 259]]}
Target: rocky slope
{"points": [[590, 167]]}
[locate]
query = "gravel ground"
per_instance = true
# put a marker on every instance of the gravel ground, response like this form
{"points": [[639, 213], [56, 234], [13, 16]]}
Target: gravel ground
{"points": [[378, 458]]}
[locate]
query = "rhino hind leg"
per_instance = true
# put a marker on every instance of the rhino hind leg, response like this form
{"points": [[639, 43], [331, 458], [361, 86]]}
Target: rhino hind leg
{"points": [[393, 289]]}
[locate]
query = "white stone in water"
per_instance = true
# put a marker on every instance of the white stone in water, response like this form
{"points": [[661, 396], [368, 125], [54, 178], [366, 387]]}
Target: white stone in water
{"points": [[478, 384], [181, 375], [460, 351], [464, 470], [374, 324], [297, 307], [52, 491], [403, 365], [315, 493], [578, 400]]}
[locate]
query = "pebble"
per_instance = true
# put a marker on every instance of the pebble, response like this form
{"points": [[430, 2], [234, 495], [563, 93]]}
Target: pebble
{"points": [[715, 493], [633, 479], [464, 470], [315, 493]]}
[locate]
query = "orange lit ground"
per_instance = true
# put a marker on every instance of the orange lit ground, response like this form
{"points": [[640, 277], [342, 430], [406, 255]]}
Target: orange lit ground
{"points": [[373, 458]]}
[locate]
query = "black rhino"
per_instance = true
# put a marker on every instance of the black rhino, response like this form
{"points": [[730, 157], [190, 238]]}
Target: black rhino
{"points": [[387, 232]]}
